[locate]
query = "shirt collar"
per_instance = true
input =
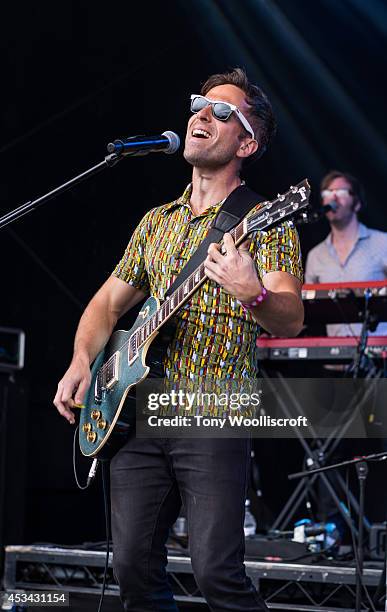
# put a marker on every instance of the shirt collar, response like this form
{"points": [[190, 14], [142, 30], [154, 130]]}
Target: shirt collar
{"points": [[184, 200], [363, 232]]}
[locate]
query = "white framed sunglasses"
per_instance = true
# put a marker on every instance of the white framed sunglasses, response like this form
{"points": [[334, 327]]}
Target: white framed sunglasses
{"points": [[340, 193], [220, 110]]}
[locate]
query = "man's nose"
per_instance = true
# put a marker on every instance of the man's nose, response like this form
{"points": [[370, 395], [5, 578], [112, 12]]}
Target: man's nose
{"points": [[205, 113]]}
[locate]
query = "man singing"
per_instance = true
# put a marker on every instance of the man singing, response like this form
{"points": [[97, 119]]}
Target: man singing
{"points": [[352, 251], [232, 121]]}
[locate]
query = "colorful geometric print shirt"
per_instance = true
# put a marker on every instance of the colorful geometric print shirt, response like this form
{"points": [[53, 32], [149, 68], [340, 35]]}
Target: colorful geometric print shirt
{"points": [[214, 336]]}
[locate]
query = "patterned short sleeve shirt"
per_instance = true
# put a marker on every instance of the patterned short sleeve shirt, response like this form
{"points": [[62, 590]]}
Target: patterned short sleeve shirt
{"points": [[214, 336]]}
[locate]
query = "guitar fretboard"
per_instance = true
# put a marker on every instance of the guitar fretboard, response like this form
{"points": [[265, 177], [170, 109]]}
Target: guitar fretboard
{"points": [[174, 301]]}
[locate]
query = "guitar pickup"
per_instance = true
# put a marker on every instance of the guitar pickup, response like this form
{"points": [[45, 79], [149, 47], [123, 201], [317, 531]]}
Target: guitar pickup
{"points": [[112, 369]]}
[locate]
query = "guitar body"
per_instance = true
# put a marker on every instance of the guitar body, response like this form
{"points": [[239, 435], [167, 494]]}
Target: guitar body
{"points": [[109, 415]]}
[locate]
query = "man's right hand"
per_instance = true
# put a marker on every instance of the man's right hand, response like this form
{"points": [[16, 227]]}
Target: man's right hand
{"points": [[72, 388], [111, 301]]}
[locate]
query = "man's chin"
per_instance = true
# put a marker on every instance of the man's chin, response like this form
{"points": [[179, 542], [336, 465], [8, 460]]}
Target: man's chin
{"points": [[339, 223], [199, 159], [196, 159]]}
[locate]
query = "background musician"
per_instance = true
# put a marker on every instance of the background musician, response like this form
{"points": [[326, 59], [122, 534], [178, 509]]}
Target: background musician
{"points": [[351, 251]]}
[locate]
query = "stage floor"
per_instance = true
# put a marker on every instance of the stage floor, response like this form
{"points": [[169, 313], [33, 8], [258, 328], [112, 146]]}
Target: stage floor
{"points": [[321, 587]]}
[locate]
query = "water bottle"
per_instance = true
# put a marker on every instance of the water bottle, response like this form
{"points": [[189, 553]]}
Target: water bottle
{"points": [[180, 527], [250, 524]]}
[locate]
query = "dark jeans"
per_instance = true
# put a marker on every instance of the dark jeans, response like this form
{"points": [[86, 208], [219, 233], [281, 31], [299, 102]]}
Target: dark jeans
{"points": [[149, 480]]}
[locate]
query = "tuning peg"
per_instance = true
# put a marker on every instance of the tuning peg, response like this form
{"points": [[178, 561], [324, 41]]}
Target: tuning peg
{"points": [[293, 189]]}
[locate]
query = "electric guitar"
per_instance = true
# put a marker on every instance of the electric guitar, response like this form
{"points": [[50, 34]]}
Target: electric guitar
{"points": [[107, 417]]}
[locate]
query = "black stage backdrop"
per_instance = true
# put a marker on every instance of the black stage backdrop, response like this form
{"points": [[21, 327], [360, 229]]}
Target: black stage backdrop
{"points": [[77, 75]]}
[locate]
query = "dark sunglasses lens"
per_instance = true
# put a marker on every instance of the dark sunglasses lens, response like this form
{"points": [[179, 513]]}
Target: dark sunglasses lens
{"points": [[198, 103], [222, 111]]}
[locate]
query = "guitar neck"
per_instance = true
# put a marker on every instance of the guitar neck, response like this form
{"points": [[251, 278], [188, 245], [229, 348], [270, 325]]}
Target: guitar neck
{"points": [[181, 295]]}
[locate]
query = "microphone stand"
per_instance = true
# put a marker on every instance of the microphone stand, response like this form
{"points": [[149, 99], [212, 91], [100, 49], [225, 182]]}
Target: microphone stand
{"points": [[13, 215], [361, 464], [369, 324]]}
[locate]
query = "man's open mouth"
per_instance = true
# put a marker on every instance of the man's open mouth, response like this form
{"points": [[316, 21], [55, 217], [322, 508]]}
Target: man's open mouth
{"points": [[199, 133]]}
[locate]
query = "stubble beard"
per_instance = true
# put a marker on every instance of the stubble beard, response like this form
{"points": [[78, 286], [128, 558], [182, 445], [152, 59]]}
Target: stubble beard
{"points": [[208, 159], [341, 224]]}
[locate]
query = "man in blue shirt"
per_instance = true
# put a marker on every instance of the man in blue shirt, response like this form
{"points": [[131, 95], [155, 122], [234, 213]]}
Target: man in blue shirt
{"points": [[352, 251]]}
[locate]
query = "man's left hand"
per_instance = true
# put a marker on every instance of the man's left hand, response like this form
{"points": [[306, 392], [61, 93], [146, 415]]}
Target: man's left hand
{"points": [[234, 271]]}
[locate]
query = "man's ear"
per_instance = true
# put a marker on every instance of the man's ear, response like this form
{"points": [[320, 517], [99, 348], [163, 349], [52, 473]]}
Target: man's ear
{"points": [[247, 148], [356, 206]]}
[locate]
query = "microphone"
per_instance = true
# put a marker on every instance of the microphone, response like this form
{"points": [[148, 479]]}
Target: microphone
{"points": [[330, 207], [167, 142], [316, 215]]}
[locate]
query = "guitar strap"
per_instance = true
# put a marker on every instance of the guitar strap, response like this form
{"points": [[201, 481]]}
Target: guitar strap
{"points": [[234, 209]]}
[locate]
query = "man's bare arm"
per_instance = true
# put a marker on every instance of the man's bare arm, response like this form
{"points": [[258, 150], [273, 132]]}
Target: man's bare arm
{"points": [[282, 312], [111, 301]]}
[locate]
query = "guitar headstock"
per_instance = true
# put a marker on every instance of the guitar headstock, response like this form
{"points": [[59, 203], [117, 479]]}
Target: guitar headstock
{"points": [[284, 206]]}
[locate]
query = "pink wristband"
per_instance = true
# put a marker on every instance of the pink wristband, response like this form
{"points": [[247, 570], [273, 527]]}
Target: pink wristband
{"points": [[258, 300]]}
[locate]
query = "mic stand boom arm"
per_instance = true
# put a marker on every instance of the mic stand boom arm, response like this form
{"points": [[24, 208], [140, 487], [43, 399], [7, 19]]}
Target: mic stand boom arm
{"points": [[24, 209]]}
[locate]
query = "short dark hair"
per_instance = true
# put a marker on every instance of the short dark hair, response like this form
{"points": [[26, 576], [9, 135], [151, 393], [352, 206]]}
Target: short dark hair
{"points": [[261, 109], [357, 188]]}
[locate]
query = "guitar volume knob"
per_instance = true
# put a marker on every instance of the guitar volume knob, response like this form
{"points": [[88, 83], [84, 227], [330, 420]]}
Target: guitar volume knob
{"points": [[86, 427], [91, 437], [101, 424], [95, 415]]}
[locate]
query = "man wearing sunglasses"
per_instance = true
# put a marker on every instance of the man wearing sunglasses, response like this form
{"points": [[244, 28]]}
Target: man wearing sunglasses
{"points": [[215, 338], [352, 251]]}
